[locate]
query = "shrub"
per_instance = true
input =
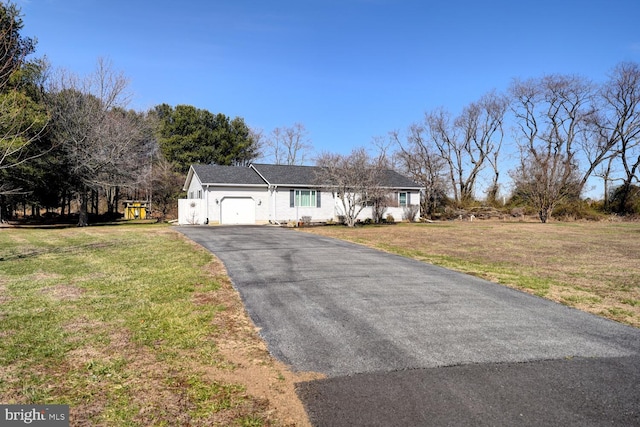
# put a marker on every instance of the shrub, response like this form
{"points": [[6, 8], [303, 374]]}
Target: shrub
{"points": [[577, 210], [625, 200], [410, 213], [390, 218]]}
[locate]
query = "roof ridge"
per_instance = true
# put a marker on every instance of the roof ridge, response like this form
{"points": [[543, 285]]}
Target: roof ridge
{"points": [[259, 174]]}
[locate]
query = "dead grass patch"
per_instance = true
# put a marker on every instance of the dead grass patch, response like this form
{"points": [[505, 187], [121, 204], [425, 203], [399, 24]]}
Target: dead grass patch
{"points": [[4, 294], [63, 292], [591, 266]]}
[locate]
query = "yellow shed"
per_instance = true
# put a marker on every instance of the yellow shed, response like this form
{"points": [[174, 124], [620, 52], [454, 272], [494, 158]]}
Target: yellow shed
{"points": [[135, 209]]}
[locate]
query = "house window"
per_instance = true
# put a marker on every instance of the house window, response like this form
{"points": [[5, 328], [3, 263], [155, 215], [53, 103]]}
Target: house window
{"points": [[306, 198], [199, 194], [402, 199]]}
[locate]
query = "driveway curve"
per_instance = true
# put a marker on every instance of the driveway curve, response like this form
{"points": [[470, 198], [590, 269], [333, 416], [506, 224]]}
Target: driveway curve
{"points": [[407, 343]]}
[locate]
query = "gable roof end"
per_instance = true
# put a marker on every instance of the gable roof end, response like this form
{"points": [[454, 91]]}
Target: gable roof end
{"points": [[224, 175]]}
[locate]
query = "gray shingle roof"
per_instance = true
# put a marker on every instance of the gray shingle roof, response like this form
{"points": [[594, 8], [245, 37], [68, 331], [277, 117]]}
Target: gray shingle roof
{"points": [[283, 175], [288, 174], [306, 176], [396, 180], [231, 175]]}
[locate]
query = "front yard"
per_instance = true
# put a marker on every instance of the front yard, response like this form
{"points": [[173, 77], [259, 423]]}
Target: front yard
{"points": [[132, 325], [591, 266]]}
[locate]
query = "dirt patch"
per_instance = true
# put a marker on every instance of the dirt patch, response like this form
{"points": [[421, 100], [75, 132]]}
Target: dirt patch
{"points": [[251, 363], [63, 292], [122, 369]]}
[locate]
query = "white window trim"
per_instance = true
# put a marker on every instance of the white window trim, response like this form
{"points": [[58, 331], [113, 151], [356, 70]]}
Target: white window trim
{"points": [[406, 197], [313, 196]]}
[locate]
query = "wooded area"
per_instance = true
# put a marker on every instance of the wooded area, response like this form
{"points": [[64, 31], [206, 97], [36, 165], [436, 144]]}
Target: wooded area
{"points": [[71, 148]]}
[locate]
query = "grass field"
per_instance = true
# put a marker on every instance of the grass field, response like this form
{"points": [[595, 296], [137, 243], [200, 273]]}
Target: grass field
{"points": [[591, 266], [132, 326]]}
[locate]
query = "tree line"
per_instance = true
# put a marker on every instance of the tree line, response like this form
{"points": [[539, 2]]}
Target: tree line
{"points": [[70, 142], [567, 130], [80, 145]]}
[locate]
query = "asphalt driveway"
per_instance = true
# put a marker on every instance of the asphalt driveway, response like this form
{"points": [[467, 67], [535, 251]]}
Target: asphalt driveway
{"points": [[407, 343]]}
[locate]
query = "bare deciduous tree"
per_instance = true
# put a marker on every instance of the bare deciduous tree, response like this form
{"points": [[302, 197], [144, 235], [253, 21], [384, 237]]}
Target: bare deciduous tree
{"points": [[422, 161], [618, 127], [490, 134], [379, 197], [288, 145], [166, 184], [104, 144], [356, 179], [551, 114], [545, 179], [467, 143]]}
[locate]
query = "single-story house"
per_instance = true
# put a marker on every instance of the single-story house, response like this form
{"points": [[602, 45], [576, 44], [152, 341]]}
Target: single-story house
{"points": [[276, 194]]}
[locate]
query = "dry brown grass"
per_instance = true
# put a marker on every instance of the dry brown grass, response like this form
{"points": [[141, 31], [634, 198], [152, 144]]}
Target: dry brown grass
{"points": [[152, 336], [591, 266]]}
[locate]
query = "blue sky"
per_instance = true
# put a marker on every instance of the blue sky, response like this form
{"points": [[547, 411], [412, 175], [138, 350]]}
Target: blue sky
{"points": [[349, 70]]}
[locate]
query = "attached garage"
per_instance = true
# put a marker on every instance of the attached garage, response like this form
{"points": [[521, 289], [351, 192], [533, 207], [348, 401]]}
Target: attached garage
{"points": [[237, 210], [273, 194]]}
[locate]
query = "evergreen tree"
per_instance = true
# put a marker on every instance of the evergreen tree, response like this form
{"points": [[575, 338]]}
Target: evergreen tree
{"points": [[188, 135]]}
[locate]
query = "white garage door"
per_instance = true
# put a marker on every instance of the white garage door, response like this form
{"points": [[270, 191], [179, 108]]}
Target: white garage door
{"points": [[238, 210]]}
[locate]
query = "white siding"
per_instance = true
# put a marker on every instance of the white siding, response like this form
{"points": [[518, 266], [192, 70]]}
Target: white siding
{"points": [[192, 210], [285, 213], [194, 186], [398, 213], [271, 206]]}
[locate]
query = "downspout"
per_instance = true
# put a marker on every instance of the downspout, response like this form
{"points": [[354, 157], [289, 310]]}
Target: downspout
{"points": [[274, 193], [206, 203]]}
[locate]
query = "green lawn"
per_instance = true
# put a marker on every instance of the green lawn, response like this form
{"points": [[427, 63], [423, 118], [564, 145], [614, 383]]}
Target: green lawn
{"points": [[122, 323]]}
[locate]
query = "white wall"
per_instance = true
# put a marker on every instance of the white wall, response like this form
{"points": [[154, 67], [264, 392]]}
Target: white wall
{"points": [[398, 213], [205, 208], [191, 212], [285, 213]]}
